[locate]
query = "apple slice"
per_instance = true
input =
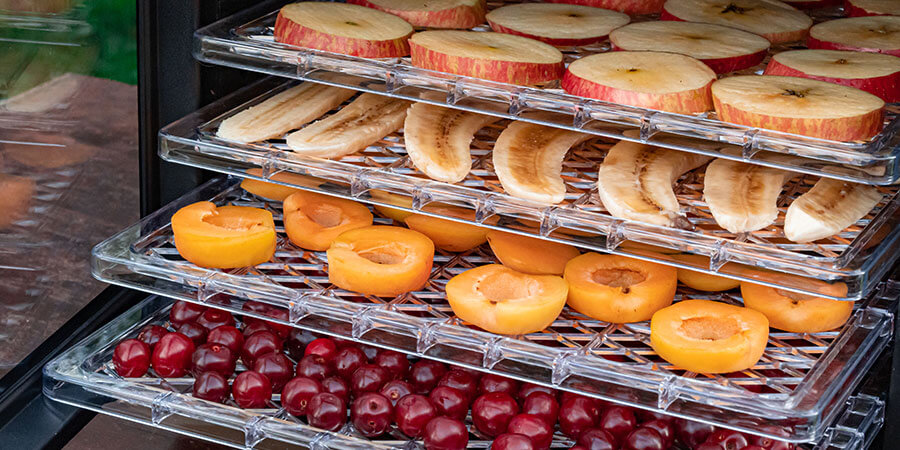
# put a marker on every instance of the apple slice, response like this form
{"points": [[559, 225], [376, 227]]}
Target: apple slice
{"points": [[875, 73], [876, 34], [491, 56], [721, 48], [776, 21], [812, 4], [655, 80], [432, 13], [630, 7], [800, 106], [556, 24], [859, 8], [341, 28]]}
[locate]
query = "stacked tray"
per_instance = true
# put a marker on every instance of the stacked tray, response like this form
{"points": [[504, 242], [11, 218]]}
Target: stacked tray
{"points": [[791, 393]]}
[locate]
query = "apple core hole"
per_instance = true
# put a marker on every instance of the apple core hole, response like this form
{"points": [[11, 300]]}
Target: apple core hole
{"points": [[618, 277], [504, 286], [324, 215], [708, 328]]}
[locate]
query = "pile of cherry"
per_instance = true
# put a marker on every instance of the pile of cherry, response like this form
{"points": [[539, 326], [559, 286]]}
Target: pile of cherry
{"points": [[385, 392]]}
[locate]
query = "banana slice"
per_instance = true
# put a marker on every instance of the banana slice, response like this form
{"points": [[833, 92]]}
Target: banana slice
{"points": [[743, 197], [826, 209], [528, 160], [356, 126], [286, 111], [635, 181], [437, 140]]}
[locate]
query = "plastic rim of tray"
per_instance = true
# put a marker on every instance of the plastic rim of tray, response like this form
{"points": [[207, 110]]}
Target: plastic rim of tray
{"points": [[859, 259], [245, 41], [82, 377], [813, 371]]}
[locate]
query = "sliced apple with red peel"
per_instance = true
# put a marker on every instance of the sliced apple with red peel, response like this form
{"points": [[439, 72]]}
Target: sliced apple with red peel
{"points": [[492, 56], [432, 13], [655, 80], [342, 28], [876, 34], [556, 24], [875, 73], [860, 8], [630, 7], [799, 106], [774, 20], [722, 48]]}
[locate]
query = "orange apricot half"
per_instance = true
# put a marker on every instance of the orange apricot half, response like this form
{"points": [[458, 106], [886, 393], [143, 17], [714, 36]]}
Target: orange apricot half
{"points": [[380, 260], [396, 214], [312, 220], [530, 255], [15, 198], [275, 191], [447, 234], [699, 280], [505, 301], [617, 289], [224, 237], [704, 336], [797, 313]]}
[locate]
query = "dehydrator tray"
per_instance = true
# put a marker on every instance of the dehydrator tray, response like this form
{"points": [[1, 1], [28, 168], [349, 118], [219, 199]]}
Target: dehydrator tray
{"points": [[846, 266], [792, 393], [245, 41]]}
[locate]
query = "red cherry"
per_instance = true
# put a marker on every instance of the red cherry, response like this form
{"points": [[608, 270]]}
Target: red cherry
{"points": [[444, 433], [692, 433], [368, 378], [228, 336], [492, 412], [526, 389], [496, 383], [728, 439], [578, 447], [276, 367], [770, 444], [577, 414], [326, 411], [314, 366], [214, 318], [347, 360], [708, 446], [597, 439], [543, 405], [172, 355], [644, 439], [194, 331], [255, 327], [450, 402], [251, 390], [151, 334], [282, 330], [665, 430], [618, 421], [323, 347], [412, 413], [395, 363], [184, 312], [131, 358], [211, 386], [296, 395], [644, 415], [296, 342], [539, 431], [753, 447], [259, 344], [336, 386], [213, 358], [464, 381], [510, 441], [253, 307], [425, 374], [371, 414], [394, 390]]}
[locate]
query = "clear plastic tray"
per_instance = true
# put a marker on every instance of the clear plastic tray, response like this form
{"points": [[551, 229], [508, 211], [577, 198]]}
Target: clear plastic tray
{"points": [[793, 391], [845, 266], [245, 41]]}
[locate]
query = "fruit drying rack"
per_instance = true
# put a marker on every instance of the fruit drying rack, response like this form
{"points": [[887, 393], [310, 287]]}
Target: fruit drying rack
{"points": [[857, 257], [790, 394], [245, 41]]}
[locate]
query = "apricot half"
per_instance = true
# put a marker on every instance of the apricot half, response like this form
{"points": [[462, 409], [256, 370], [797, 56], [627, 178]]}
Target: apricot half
{"points": [[797, 313], [312, 220], [224, 237], [447, 234], [398, 215], [709, 337], [15, 198], [699, 280], [275, 191], [617, 289], [504, 301], [380, 260], [530, 255]]}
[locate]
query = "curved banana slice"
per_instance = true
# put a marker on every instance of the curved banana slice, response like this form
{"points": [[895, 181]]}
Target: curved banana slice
{"points": [[743, 197], [438, 139], [283, 112], [356, 126], [528, 160], [826, 209], [635, 181]]}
